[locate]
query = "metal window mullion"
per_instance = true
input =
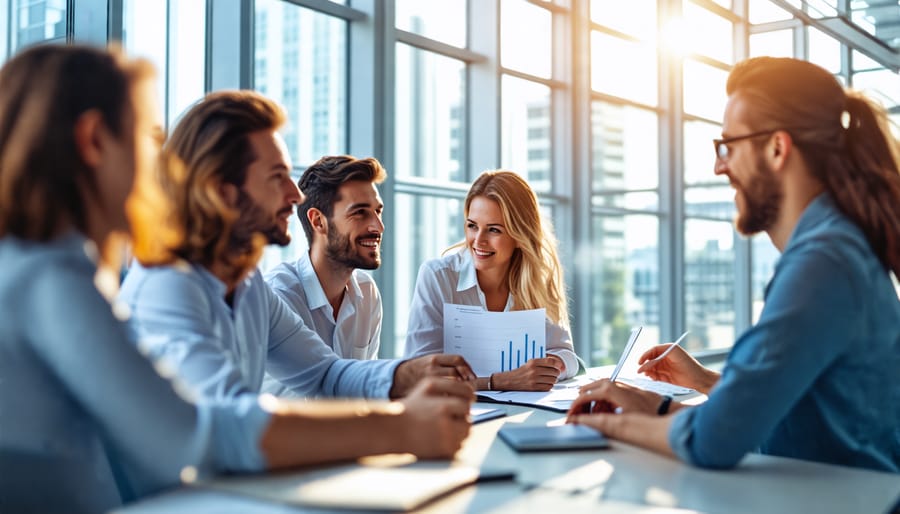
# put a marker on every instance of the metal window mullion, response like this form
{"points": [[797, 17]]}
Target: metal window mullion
{"points": [[229, 44], [483, 91], [370, 92], [671, 233]]}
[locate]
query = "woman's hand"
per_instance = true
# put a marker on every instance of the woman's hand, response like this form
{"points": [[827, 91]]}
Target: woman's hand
{"points": [[535, 375], [606, 396], [678, 367]]}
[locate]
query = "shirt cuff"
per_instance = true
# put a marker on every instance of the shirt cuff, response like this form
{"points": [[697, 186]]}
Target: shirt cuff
{"points": [[238, 428], [681, 433]]}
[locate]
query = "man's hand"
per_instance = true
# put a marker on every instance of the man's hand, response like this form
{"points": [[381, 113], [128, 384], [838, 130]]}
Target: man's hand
{"points": [[436, 417], [606, 396], [678, 367], [410, 372]]}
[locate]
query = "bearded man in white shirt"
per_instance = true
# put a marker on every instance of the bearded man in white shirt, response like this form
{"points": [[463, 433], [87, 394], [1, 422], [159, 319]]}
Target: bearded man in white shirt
{"points": [[341, 218]]}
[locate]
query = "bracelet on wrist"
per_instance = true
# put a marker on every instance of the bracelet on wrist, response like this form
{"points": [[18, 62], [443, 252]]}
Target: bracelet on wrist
{"points": [[491, 382]]}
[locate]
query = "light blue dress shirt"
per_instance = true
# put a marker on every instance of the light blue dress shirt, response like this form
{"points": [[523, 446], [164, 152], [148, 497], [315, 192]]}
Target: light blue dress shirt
{"points": [[452, 279], [818, 377], [85, 421], [182, 318]]}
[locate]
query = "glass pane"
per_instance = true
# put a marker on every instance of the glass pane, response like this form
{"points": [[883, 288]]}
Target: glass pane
{"points": [[763, 257], [141, 37], [709, 284], [645, 201], [624, 285], [36, 21], [710, 202], [636, 17], [862, 62], [300, 59], [724, 3], [439, 224], [624, 68], [187, 34], [716, 34], [764, 11], [881, 85], [824, 50], [704, 90], [699, 156], [526, 38], [525, 131], [777, 43], [625, 147], [4, 30], [444, 20], [430, 115]]}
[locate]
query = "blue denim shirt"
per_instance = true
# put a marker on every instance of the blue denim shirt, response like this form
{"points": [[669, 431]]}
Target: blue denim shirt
{"points": [[182, 319], [817, 377], [85, 421]]}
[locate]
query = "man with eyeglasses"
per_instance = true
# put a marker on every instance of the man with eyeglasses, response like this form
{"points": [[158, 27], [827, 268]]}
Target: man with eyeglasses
{"points": [[816, 168]]}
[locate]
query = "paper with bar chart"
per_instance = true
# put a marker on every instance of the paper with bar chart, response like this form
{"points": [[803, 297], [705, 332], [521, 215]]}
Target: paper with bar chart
{"points": [[493, 342]]}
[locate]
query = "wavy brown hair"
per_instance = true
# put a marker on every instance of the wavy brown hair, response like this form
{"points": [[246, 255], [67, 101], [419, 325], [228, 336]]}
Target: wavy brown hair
{"points": [[535, 276], [45, 185], [210, 147], [858, 165]]}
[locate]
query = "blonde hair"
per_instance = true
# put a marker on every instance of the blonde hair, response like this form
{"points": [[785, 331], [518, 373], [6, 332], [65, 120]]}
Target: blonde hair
{"points": [[535, 276]]}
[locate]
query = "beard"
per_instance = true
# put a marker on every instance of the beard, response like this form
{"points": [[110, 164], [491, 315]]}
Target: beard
{"points": [[340, 251], [253, 219], [762, 200]]}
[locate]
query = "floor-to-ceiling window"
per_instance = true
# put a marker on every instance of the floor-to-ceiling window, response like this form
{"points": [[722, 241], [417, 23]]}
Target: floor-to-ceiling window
{"points": [[607, 108]]}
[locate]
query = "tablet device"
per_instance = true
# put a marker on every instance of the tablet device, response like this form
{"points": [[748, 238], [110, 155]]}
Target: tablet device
{"points": [[542, 438]]}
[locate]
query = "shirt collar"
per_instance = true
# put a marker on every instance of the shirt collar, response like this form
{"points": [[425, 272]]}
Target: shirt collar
{"points": [[467, 277], [315, 295], [816, 213]]}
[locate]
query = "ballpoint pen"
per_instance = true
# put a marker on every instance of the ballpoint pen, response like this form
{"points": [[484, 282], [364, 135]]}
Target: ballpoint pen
{"points": [[669, 349]]}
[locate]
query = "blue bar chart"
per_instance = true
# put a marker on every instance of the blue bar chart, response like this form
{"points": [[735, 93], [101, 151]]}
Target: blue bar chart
{"points": [[494, 342]]}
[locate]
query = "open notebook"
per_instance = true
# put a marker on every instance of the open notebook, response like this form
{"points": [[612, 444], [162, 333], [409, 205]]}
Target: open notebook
{"points": [[391, 487]]}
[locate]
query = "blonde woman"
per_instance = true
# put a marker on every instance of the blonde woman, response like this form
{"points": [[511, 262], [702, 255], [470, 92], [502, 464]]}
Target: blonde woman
{"points": [[507, 262]]}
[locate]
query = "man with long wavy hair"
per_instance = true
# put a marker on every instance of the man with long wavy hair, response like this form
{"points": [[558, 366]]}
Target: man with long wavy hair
{"points": [[200, 306], [816, 168]]}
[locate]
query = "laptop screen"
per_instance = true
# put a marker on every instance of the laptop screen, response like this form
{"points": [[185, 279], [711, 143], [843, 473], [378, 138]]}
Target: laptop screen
{"points": [[635, 332]]}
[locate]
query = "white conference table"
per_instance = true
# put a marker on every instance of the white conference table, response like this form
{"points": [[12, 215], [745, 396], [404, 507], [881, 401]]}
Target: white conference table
{"points": [[640, 481]]}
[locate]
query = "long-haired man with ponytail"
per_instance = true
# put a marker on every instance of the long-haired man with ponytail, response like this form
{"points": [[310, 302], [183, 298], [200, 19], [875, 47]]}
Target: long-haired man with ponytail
{"points": [[816, 168]]}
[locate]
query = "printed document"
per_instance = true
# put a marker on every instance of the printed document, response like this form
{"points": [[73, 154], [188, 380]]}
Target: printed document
{"points": [[494, 342]]}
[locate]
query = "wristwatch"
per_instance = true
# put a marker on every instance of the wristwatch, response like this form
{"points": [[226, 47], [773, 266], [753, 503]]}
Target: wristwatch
{"points": [[664, 406]]}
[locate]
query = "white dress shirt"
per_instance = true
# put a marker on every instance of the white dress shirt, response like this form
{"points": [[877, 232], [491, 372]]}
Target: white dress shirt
{"points": [[355, 334], [452, 279]]}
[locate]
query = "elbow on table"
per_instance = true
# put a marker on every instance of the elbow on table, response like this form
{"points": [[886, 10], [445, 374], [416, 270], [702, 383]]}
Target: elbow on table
{"points": [[715, 458]]}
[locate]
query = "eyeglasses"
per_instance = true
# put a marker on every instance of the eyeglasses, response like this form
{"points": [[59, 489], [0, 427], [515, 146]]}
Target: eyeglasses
{"points": [[722, 150]]}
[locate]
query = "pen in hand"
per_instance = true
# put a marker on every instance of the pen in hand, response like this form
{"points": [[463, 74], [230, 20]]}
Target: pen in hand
{"points": [[672, 346]]}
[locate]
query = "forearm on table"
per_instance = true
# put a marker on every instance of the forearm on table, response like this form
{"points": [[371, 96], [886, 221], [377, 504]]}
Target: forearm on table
{"points": [[320, 432]]}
